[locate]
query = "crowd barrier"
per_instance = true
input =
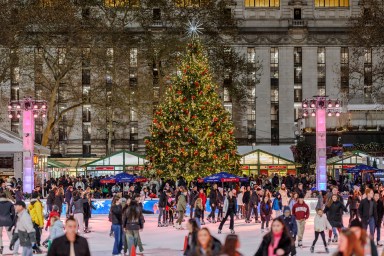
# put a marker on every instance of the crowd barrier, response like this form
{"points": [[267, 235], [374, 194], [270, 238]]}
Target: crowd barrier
{"points": [[102, 206]]}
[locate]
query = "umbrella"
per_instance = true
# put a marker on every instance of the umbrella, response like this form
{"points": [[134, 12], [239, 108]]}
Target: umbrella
{"points": [[124, 177], [108, 180], [362, 168], [222, 177]]}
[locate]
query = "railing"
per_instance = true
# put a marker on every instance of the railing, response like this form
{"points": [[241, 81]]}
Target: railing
{"points": [[298, 23]]}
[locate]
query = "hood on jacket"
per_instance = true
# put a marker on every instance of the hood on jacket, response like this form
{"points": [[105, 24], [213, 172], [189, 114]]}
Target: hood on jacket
{"points": [[4, 200]]}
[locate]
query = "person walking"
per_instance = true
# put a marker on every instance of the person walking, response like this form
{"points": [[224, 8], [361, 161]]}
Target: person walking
{"points": [[117, 219], [321, 224], [301, 212], [276, 242], [192, 199], [35, 210], [213, 201], [70, 244], [7, 217], [68, 199], [380, 212], [181, 207], [334, 210], [265, 212], [230, 210], [24, 231], [132, 222], [368, 212]]}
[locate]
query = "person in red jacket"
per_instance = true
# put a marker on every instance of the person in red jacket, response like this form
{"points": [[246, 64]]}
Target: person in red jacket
{"points": [[204, 199], [301, 212]]}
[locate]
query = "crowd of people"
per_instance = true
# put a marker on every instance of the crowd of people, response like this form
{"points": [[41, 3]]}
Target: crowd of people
{"points": [[276, 203]]}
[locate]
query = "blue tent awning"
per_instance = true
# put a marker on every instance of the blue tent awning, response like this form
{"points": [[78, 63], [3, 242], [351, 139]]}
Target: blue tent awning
{"points": [[222, 177], [363, 168], [124, 177]]}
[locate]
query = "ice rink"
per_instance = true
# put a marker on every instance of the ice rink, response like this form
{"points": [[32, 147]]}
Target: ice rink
{"points": [[167, 241]]}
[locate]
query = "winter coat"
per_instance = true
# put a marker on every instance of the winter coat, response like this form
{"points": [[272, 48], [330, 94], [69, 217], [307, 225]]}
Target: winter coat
{"points": [[285, 244], [240, 198], [133, 224], [321, 223], [380, 212], [51, 214], [182, 203], [364, 211], [77, 205], [7, 212], [87, 208], [51, 197], [353, 202], [116, 214], [198, 212], [335, 213], [254, 201], [203, 198], [61, 247], [19, 196], [24, 229], [68, 196], [56, 230], [58, 201], [265, 210], [192, 198], [35, 209], [192, 241], [300, 211], [284, 197], [291, 203], [214, 197], [291, 224], [230, 204], [277, 205], [247, 197], [163, 200]]}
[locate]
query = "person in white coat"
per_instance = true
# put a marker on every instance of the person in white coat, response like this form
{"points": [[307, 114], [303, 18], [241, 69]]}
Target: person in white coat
{"points": [[320, 224], [240, 205], [284, 195]]}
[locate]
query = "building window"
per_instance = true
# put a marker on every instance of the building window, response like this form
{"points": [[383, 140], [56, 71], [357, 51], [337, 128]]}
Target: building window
{"points": [[251, 55], [251, 113], [331, 3], [367, 73], [262, 3], [122, 3], [191, 3], [134, 117], [228, 107], [87, 129], [227, 95], [344, 68], [133, 57], [298, 63], [86, 149], [86, 76], [274, 70], [321, 70]]}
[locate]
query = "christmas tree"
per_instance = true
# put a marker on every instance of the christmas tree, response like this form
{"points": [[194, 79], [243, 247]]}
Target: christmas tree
{"points": [[192, 134]]}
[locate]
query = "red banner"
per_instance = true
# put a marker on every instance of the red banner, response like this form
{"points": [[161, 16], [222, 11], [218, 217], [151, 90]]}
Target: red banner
{"points": [[277, 167], [104, 168]]}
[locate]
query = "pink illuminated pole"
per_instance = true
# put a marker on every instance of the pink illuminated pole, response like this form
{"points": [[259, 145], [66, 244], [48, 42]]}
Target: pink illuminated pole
{"points": [[28, 148], [29, 109], [320, 108]]}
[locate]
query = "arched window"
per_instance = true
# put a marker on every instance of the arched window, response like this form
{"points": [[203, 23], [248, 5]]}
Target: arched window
{"points": [[262, 3]]}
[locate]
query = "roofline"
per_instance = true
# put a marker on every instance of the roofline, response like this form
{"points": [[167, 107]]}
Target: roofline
{"points": [[122, 151], [260, 150]]}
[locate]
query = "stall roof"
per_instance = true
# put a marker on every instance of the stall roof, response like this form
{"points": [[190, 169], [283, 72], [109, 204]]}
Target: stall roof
{"points": [[283, 151], [55, 164], [120, 158], [265, 158], [11, 142], [345, 156]]}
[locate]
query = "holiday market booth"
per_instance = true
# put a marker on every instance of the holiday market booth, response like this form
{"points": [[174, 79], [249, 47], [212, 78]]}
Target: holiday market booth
{"points": [[338, 165], [259, 162], [122, 161], [56, 169]]}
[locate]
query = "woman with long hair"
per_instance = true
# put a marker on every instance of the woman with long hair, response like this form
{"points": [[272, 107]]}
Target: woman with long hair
{"points": [[293, 200], [231, 245], [230, 210], [265, 212], [349, 245], [59, 199], [334, 210], [116, 218], [193, 228], [199, 209], [206, 245], [353, 203], [132, 222], [276, 242]]}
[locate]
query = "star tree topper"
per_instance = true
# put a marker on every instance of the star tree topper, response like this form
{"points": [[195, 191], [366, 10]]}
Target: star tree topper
{"points": [[194, 29]]}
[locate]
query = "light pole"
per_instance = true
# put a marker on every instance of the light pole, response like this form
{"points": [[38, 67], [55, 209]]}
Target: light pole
{"points": [[321, 107], [29, 109]]}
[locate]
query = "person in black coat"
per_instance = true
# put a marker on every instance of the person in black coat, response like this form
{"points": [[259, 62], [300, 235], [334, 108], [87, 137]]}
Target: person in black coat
{"points": [[193, 228], [162, 205], [334, 210], [278, 231], [230, 208], [213, 201], [192, 199], [253, 203], [246, 200], [61, 245], [7, 217], [380, 214], [353, 201], [368, 212]]}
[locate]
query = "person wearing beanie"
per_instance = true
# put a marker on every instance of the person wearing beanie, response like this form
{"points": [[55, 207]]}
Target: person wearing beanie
{"points": [[291, 224], [301, 212], [321, 223]]}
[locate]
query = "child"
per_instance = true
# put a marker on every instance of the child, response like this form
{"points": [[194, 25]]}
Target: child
{"points": [[56, 229], [290, 222], [198, 211], [265, 212], [53, 213], [321, 223]]}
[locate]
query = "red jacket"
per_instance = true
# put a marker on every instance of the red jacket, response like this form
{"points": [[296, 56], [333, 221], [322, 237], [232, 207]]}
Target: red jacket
{"points": [[300, 211], [203, 198], [51, 214]]}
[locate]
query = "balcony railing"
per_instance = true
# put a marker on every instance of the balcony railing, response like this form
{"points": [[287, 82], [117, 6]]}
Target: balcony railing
{"points": [[298, 23]]}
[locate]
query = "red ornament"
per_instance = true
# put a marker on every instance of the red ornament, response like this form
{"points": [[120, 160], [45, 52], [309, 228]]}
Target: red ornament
{"points": [[186, 129], [215, 119], [194, 116], [200, 92], [230, 132], [215, 156], [193, 97], [196, 153], [197, 84], [174, 160], [179, 92], [155, 121]]}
